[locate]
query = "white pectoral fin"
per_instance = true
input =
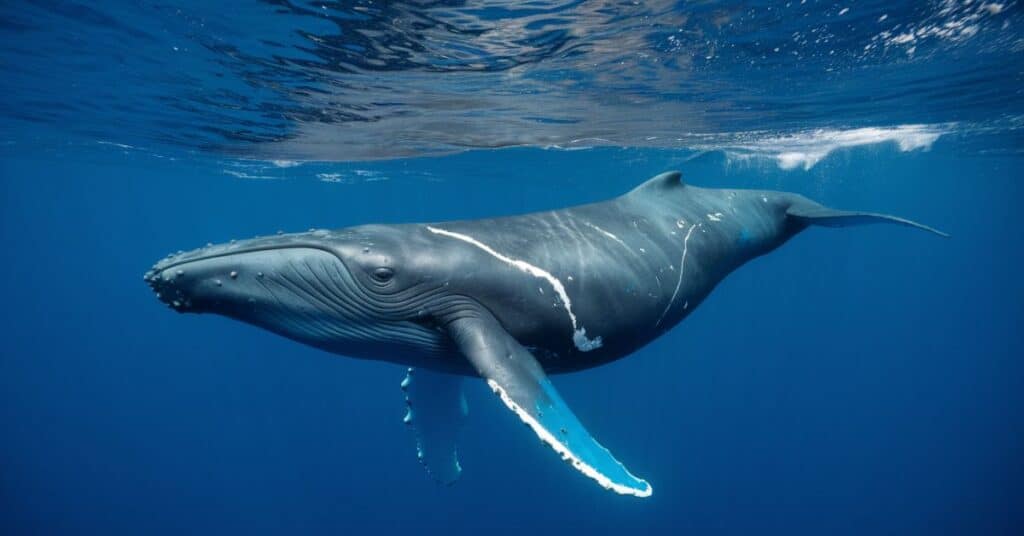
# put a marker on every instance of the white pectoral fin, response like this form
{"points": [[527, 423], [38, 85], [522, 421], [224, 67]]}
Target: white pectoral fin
{"points": [[518, 379], [437, 410]]}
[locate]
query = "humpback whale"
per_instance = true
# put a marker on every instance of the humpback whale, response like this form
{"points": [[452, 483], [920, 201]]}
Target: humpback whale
{"points": [[512, 300]]}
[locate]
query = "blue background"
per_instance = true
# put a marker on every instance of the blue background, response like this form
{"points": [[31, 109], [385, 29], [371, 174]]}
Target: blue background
{"points": [[859, 380]]}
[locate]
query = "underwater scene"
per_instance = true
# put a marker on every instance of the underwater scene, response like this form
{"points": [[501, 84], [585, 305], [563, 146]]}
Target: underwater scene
{"points": [[492, 267]]}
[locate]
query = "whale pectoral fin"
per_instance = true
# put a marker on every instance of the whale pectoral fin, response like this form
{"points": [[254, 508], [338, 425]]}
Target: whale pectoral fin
{"points": [[436, 413], [518, 379], [811, 213]]}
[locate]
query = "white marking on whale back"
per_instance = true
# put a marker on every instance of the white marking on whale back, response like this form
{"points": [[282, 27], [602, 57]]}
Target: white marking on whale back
{"points": [[682, 269], [606, 233], [579, 336], [715, 217], [564, 451]]}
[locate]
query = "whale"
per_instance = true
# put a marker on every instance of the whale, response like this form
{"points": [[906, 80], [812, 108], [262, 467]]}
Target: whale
{"points": [[510, 300]]}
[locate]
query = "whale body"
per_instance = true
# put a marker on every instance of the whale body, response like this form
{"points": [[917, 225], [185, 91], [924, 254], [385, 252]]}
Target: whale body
{"points": [[511, 299]]}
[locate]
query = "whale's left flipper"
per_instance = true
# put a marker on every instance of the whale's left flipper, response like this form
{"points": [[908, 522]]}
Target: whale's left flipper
{"points": [[515, 375], [437, 410]]}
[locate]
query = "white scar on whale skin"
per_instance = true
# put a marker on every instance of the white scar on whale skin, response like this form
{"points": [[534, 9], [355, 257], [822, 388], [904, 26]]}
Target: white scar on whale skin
{"points": [[606, 233], [679, 283], [579, 335]]}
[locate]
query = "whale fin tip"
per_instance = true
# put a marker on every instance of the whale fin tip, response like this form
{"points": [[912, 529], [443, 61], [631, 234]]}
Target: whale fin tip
{"points": [[811, 213], [517, 378]]}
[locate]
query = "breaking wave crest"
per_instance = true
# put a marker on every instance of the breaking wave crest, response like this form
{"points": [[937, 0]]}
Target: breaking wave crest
{"points": [[805, 149]]}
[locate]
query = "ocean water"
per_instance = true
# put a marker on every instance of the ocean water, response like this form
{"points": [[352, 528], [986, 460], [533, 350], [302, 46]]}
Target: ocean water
{"points": [[863, 380]]}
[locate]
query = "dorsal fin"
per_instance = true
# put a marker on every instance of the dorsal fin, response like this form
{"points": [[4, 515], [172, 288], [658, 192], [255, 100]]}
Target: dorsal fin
{"points": [[660, 184]]}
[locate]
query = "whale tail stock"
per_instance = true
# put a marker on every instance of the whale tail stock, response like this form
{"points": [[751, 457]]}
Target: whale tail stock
{"points": [[801, 209], [809, 212]]}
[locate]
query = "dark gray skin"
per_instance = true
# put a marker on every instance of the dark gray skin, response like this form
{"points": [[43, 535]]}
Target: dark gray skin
{"points": [[621, 262], [509, 299]]}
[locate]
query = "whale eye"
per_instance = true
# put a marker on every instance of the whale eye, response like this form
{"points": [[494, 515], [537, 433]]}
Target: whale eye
{"points": [[383, 274]]}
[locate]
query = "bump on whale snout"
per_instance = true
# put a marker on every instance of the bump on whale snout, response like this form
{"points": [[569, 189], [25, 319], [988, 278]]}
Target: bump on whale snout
{"points": [[166, 291], [190, 282], [175, 287]]}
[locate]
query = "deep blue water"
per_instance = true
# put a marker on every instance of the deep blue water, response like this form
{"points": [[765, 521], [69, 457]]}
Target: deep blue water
{"points": [[860, 380]]}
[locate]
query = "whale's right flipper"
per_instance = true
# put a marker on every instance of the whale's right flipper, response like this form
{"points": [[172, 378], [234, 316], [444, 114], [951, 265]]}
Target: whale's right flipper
{"points": [[808, 212], [518, 379], [436, 413]]}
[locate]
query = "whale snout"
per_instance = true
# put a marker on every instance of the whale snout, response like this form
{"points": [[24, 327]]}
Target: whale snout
{"points": [[223, 278], [163, 285], [199, 284], [261, 280]]}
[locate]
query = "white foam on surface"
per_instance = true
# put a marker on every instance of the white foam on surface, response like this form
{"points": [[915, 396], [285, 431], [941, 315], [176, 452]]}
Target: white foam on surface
{"points": [[329, 177], [566, 454], [953, 21], [114, 144], [245, 175], [805, 149]]}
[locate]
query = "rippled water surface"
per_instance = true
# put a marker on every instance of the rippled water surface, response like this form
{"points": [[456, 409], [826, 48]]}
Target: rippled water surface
{"points": [[365, 80]]}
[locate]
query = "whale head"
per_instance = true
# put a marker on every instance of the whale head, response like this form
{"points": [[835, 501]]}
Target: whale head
{"points": [[362, 291]]}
